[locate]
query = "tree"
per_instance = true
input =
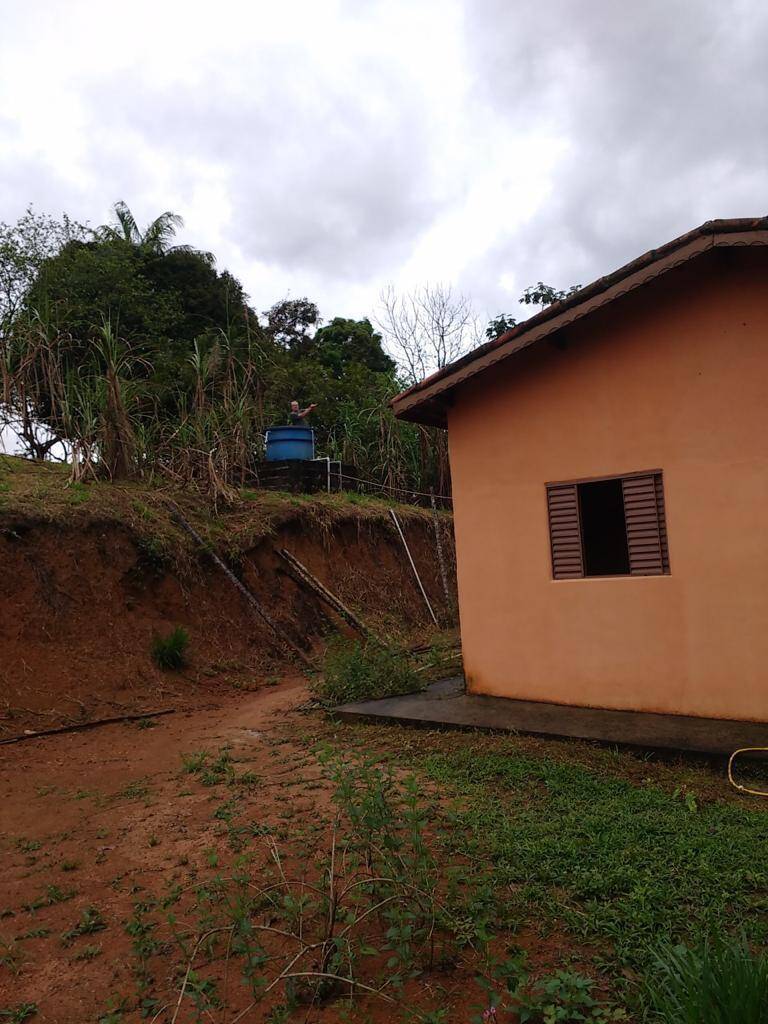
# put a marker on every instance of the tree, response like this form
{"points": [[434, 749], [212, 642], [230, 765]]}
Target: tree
{"points": [[538, 294], [292, 324], [24, 247], [499, 325], [427, 328], [343, 342], [159, 295], [155, 238], [541, 294]]}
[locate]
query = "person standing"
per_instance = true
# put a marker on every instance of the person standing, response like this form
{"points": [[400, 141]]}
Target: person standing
{"points": [[296, 415]]}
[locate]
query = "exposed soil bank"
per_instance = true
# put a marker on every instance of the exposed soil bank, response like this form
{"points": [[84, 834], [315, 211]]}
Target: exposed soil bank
{"points": [[84, 590]]}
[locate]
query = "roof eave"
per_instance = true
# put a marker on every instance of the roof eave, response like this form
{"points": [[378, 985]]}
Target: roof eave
{"points": [[417, 403]]}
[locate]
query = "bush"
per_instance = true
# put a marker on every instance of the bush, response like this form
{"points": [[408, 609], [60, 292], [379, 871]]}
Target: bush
{"points": [[354, 671], [170, 652], [716, 983]]}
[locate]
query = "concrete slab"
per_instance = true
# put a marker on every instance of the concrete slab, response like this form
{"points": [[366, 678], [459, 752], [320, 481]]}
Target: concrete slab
{"points": [[446, 705]]}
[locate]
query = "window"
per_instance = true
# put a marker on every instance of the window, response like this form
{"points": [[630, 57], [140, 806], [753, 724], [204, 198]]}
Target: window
{"points": [[610, 527]]}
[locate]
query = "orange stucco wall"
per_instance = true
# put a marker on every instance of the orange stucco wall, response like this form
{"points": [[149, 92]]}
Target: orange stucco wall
{"points": [[672, 377]]}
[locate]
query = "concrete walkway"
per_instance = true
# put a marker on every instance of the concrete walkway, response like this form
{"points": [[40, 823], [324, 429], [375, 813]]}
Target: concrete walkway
{"points": [[445, 704]]}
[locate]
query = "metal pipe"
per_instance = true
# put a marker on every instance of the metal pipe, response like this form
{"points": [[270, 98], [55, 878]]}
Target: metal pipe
{"points": [[413, 566]]}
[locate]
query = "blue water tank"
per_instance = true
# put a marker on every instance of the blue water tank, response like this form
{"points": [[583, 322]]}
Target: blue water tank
{"points": [[290, 443]]}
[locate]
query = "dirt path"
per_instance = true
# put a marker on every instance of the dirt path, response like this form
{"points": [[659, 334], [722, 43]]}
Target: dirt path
{"points": [[96, 819]]}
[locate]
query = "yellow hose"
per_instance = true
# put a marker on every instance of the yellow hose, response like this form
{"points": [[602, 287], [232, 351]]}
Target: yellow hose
{"points": [[737, 785]]}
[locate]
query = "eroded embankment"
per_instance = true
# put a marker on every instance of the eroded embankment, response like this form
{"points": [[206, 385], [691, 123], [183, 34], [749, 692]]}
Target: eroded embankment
{"points": [[83, 594]]}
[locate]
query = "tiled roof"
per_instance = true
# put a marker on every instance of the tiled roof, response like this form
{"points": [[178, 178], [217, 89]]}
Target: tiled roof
{"points": [[425, 402]]}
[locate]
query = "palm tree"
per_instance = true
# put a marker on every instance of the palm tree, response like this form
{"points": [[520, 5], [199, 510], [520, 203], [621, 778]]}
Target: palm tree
{"points": [[155, 238]]}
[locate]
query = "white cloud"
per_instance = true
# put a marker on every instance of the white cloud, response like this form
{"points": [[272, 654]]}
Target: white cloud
{"points": [[327, 147]]}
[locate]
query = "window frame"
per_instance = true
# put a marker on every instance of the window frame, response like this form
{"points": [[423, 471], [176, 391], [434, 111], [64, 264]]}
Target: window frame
{"points": [[657, 475]]}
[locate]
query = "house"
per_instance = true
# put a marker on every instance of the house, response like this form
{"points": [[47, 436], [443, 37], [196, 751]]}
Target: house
{"points": [[610, 474]]}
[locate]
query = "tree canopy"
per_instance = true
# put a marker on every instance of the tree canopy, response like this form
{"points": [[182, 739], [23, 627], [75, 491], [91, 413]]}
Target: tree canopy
{"points": [[142, 357]]}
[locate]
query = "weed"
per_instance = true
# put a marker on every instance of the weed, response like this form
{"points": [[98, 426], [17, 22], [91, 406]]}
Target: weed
{"points": [[36, 933], [717, 982], [211, 772], [144, 944], [143, 510], [136, 790], [53, 894], [91, 921], [356, 671], [11, 955], [114, 1012], [28, 845], [88, 953], [20, 1013], [153, 841], [70, 865], [170, 652], [146, 723], [564, 996], [78, 493]]}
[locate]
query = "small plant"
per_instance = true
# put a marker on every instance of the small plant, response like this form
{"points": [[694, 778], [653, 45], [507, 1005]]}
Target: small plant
{"points": [[564, 996], [88, 953], [718, 982], [19, 1014], [28, 845], [11, 955], [78, 493], [170, 652], [136, 790], [356, 671], [114, 1012], [91, 921], [210, 772], [53, 895]]}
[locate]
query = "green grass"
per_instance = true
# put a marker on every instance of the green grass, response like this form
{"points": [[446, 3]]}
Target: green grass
{"points": [[363, 671], [170, 652], [720, 982], [41, 492], [618, 863]]}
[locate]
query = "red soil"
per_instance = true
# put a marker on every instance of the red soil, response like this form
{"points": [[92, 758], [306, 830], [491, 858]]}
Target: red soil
{"points": [[80, 605], [110, 816]]}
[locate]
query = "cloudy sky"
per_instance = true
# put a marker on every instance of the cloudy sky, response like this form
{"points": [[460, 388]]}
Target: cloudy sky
{"points": [[329, 147]]}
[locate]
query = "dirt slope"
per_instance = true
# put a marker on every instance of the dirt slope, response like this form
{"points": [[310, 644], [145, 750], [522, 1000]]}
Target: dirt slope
{"points": [[89, 575]]}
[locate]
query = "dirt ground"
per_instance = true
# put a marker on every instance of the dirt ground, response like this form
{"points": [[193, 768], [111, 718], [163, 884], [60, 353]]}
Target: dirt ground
{"points": [[105, 818]]}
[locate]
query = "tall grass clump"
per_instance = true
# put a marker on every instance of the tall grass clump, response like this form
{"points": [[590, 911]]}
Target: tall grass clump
{"points": [[170, 652], [359, 671], [718, 982]]}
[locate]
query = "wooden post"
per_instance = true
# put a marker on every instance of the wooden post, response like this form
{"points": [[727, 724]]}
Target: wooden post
{"points": [[413, 566], [440, 558], [302, 575], [285, 641]]}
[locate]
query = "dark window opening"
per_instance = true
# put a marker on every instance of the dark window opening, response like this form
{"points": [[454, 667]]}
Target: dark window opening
{"points": [[603, 528], [609, 527]]}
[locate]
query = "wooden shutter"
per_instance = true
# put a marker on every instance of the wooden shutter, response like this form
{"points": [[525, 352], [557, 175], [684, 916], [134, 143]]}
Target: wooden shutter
{"points": [[662, 521], [647, 549], [565, 531]]}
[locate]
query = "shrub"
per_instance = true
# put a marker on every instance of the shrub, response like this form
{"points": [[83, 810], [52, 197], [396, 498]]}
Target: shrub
{"points": [[715, 983], [355, 671], [170, 652]]}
